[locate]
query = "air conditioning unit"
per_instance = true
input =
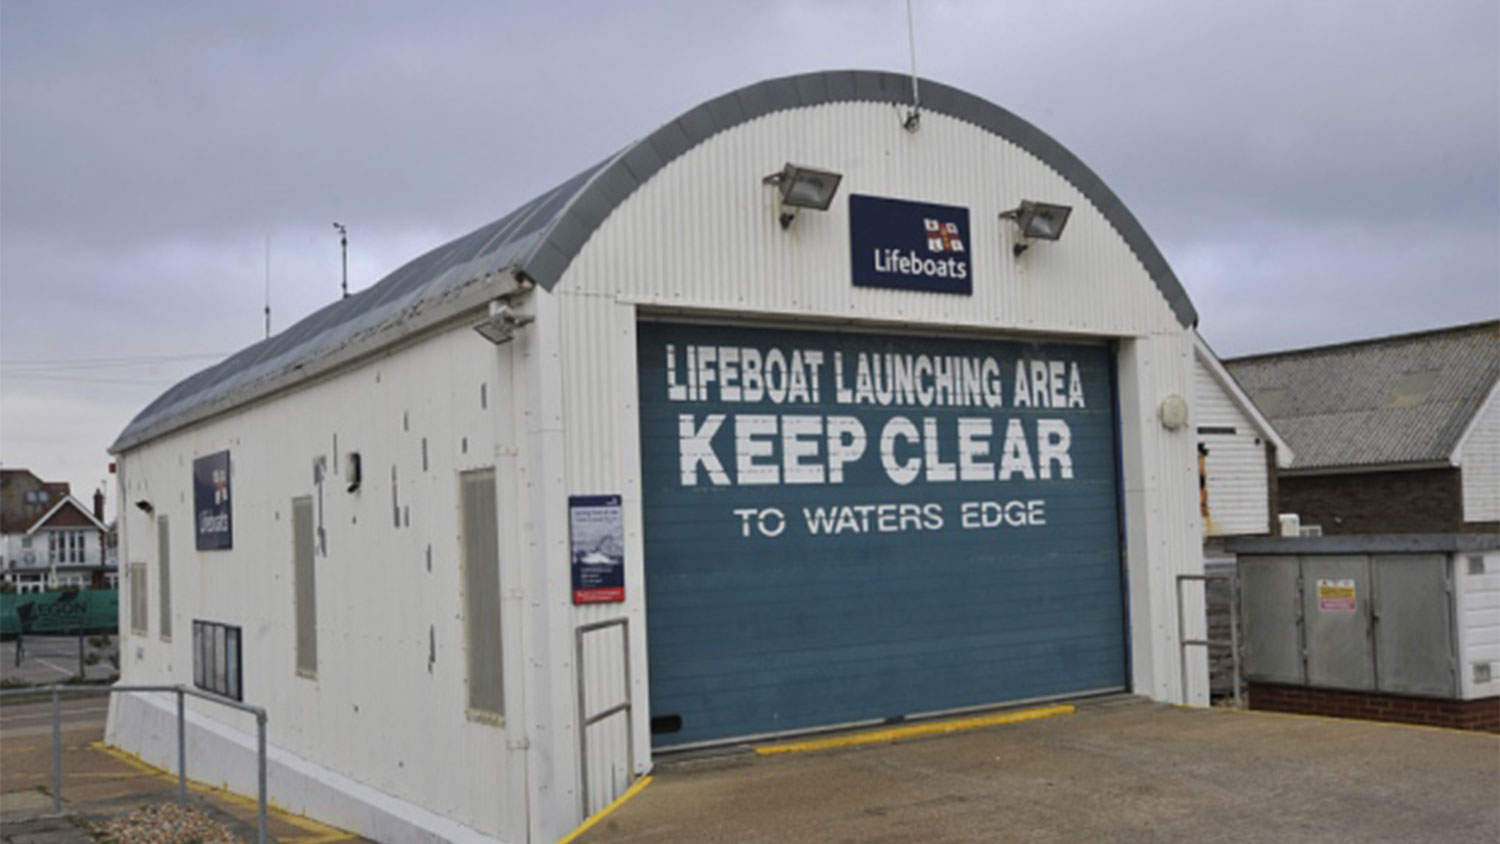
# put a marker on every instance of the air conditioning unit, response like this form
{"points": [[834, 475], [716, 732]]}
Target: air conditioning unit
{"points": [[1291, 524], [1310, 530]]}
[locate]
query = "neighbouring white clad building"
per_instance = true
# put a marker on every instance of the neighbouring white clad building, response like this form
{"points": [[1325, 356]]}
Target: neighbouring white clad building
{"points": [[797, 413], [1239, 455]]}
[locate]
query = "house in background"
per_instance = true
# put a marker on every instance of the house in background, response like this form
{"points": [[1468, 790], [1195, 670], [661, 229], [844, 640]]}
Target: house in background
{"points": [[48, 538], [1395, 434]]}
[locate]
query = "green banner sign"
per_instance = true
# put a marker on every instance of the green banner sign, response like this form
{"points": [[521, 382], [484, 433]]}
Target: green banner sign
{"points": [[60, 612]]}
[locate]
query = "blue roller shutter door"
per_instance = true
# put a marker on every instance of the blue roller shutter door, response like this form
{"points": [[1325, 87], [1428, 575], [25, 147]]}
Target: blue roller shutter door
{"points": [[842, 527]]}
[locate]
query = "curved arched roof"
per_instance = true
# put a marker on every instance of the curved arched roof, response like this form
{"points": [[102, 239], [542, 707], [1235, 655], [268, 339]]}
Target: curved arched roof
{"points": [[540, 239]]}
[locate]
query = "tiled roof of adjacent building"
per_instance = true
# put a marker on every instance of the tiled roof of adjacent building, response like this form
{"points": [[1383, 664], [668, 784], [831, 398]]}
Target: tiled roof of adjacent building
{"points": [[1405, 399]]}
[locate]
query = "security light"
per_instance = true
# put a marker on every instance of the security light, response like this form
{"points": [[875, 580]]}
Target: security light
{"points": [[145, 506], [803, 187], [1037, 221], [500, 326]]}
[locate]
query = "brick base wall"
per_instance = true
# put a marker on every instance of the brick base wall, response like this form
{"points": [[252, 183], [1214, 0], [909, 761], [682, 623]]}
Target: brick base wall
{"points": [[1482, 714]]}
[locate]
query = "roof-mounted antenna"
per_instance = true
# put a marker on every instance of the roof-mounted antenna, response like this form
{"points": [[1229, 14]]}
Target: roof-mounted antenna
{"points": [[913, 120], [344, 251], [268, 285]]}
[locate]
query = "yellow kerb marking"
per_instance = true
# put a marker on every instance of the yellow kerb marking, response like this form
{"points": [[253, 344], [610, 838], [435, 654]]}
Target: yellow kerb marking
{"points": [[640, 784], [934, 728], [319, 833]]}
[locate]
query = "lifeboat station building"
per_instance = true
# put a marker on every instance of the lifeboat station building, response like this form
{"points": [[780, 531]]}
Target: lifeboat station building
{"points": [[812, 409]]}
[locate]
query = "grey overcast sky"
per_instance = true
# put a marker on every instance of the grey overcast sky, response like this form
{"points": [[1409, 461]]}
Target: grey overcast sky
{"points": [[1314, 171]]}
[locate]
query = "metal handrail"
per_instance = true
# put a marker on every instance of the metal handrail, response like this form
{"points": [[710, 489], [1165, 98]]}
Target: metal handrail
{"points": [[586, 720], [182, 693], [1234, 628]]}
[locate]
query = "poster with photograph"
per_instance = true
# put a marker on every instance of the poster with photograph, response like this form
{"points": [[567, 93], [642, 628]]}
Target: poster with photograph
{"points": [[596, 526]]}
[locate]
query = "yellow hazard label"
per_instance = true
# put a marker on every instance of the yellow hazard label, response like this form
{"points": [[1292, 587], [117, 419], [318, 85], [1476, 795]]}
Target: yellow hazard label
{"points": [[1336, 596]]}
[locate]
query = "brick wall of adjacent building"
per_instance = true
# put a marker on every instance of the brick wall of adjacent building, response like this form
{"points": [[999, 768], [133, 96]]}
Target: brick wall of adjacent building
{"points": [[1482, 714], [1420, 501]]}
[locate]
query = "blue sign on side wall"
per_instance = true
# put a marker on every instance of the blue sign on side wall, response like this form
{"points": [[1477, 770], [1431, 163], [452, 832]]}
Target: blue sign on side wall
{"points": [[212, 523], [909, 245]]}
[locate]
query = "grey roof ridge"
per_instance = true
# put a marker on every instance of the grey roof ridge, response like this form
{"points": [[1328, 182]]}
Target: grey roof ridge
{"points": [[1367, 341], [437, 282]]}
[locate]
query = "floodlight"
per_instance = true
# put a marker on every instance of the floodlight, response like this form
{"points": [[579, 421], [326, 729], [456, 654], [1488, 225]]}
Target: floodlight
{"points": [[1037, 221], [804, 187], [500, 326]]}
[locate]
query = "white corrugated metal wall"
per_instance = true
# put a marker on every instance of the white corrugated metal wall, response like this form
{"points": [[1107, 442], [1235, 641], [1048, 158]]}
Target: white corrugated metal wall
{"points": [[702, 237], [1477, 576], [1478, 459], [390, 628]]}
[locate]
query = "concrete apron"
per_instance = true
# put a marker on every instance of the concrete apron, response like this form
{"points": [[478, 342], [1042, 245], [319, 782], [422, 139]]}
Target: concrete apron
{"points": [[1119, 769]]}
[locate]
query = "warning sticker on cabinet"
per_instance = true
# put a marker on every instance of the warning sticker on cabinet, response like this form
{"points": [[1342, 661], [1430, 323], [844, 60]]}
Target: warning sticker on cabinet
{"points": [[1336, 595]]}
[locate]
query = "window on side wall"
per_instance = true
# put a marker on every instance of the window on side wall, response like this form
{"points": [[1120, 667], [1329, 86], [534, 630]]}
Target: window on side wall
{"points": [[481, 581], [304, 587], [217, 660], [138, 598], [164, 576]]}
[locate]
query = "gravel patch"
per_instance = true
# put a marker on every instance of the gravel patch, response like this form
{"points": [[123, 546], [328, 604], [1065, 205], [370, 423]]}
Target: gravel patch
{"points": [[166, 823]]}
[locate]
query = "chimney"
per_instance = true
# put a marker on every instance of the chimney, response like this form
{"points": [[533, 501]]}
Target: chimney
{"points": [[99, 504]]}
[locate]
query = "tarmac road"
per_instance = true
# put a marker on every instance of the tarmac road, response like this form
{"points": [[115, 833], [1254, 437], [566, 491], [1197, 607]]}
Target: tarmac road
{"points": [[31, 719], [53, 659]]}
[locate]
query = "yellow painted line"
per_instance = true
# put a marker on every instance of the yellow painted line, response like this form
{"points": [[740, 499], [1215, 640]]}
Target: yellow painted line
{"points": [[1343, 720], [319, 833], [934, 728], [639, 786]]}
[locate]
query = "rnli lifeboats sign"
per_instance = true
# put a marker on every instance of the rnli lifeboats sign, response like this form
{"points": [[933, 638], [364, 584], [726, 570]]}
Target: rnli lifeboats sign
{"points": [[910, 245], [212, 521]]}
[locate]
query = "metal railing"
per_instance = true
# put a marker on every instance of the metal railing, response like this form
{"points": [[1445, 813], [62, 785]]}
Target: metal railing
{"points": [[586, 720], [1233, 643], [182, 693]]}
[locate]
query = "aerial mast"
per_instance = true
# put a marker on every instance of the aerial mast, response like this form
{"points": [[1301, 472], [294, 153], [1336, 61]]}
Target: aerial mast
{"points": [[344, 252]]}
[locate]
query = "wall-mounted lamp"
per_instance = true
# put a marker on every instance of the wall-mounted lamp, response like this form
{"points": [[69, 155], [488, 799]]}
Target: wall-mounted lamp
{"points": [[145, 507], [500, 326], [803, 187], [1173, 412], [1037, 221]]}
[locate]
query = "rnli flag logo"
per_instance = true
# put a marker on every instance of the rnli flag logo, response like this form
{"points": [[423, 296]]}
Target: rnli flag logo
{"points": [[221, 486], [942, 237]]}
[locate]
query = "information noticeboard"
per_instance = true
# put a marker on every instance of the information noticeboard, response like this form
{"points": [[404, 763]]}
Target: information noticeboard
{"points": [[596, 527]]}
